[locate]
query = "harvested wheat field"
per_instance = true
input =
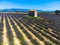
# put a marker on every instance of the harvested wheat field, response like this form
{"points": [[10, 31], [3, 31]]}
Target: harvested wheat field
{"points": [[18, 29]]}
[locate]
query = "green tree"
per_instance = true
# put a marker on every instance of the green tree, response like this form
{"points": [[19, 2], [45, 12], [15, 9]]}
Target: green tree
{"points": [[57, 11]]}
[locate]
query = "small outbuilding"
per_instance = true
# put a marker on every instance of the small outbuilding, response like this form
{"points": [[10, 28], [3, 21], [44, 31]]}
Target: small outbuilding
{"points": [[33, 13]]}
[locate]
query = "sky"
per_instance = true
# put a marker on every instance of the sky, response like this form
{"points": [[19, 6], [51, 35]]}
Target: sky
{"points": [[31, 4]]}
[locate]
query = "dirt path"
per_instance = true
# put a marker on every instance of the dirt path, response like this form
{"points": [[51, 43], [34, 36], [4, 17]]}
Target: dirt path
{"points": [[5, 39]]}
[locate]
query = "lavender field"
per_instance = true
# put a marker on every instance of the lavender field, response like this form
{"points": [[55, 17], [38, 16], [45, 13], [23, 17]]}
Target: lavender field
{"points": [[19, 29]]}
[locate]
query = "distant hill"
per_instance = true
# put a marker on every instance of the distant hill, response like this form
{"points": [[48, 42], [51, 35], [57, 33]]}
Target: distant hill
{"points": [[14, 10], [17, 10]]}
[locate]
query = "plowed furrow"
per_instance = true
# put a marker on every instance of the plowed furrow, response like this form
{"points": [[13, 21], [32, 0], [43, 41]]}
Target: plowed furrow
{"points": [[37, 34], [16, 40], [25, 37], [33, 36]]}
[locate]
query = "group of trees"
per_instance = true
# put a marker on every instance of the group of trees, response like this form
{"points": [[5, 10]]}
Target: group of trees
{"points": [[57, 11]]}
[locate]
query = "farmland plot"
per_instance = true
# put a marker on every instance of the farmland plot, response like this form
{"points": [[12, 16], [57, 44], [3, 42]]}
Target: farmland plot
{"points": [[22, 30]]}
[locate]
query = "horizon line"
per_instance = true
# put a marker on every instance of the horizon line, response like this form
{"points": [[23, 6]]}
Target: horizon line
{"points": [[27, 8]]}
